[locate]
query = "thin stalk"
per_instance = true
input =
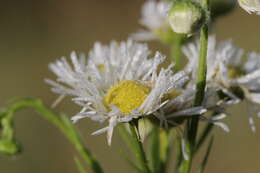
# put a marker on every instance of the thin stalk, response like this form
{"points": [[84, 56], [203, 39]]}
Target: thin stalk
{"points": [[192, 125], [201, 75], [201, 82], [139, 153], [175, 51]]}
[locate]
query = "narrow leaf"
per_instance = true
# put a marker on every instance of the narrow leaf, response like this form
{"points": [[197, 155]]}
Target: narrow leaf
{"points": [[131, 163], [126, 136], [206, 157], [79, 166], [153, 152], [204, 135]]}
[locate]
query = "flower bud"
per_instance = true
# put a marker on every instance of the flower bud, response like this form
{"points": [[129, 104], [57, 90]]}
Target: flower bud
{"points": [[186, 17], [251, 6]]}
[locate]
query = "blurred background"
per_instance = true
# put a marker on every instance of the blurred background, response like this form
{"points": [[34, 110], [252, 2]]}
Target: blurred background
{"points": [[34, 33]]}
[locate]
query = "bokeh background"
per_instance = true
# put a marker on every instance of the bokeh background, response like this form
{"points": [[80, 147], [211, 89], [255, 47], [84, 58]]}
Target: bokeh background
{"points": [[34, 33]]}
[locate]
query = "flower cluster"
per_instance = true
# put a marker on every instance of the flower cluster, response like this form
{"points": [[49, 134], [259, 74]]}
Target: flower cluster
{"points": [[122, 82], [234, 76]]}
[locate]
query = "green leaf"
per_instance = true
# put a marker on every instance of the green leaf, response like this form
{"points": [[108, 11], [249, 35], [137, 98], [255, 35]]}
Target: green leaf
{"points": [[204, 135], [79, 166], [153, 152], [126, 136], [130, 135], [166, 144], [131, 163], [159, 149], [206, 157]]}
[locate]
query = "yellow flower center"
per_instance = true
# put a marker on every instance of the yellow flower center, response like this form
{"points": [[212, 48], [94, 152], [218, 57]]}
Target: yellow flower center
{"points": [[171, 94], [127, 95], [101, 68], [234, 72]]}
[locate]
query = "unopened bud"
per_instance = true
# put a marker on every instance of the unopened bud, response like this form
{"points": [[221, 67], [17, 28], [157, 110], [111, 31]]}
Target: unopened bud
{"points": [[186, 17], [251, 6]]}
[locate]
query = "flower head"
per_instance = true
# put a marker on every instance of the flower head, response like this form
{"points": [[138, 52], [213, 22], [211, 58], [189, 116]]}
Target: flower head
{"points": [[228, 72], [129, 85]]}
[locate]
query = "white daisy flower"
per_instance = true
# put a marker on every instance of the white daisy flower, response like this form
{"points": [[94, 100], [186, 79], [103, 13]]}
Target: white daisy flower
{"points": [[118, 84], [251, 6], [154, 18], [191, 51], [227, 70]]}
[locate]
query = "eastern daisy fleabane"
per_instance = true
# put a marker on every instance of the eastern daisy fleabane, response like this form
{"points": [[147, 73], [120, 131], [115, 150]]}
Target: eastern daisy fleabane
{"points": [[118, 83], [251, 6], [154, 19], [237, 78]]}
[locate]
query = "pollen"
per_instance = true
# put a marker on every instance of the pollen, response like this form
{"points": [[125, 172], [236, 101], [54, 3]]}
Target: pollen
{"points": [[127, 95]]}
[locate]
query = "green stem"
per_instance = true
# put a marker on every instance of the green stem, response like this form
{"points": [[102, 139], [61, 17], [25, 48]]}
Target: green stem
{"points": [[201, 81], [176, 52], [61, 122], [139, 153], [200, 89]]}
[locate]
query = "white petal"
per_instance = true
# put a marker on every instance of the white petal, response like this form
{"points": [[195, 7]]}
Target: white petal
{"points": [[222, 125], [218, 117], [143, 35], [188, 112], [258, 114], [183, 149], [112, 124], [100, 131], [255, 97], [252, 124]]}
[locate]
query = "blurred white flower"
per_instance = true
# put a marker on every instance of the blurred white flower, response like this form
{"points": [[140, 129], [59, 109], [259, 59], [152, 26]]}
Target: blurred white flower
{"points": [[251, 6], [154, 18], [191, 51], [228, 72]]}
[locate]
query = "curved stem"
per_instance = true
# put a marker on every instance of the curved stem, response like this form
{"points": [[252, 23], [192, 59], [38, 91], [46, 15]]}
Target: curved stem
{"points": [[7, 141]]}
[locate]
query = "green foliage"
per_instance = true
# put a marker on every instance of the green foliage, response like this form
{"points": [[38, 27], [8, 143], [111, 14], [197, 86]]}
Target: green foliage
{"points": [[9, 146]]}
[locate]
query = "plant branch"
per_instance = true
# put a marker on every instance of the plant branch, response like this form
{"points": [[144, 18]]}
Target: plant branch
{"points": [[9, 146]]}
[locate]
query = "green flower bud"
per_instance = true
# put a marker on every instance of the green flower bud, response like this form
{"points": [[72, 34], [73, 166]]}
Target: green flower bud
{"points": [[186, 17]]}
